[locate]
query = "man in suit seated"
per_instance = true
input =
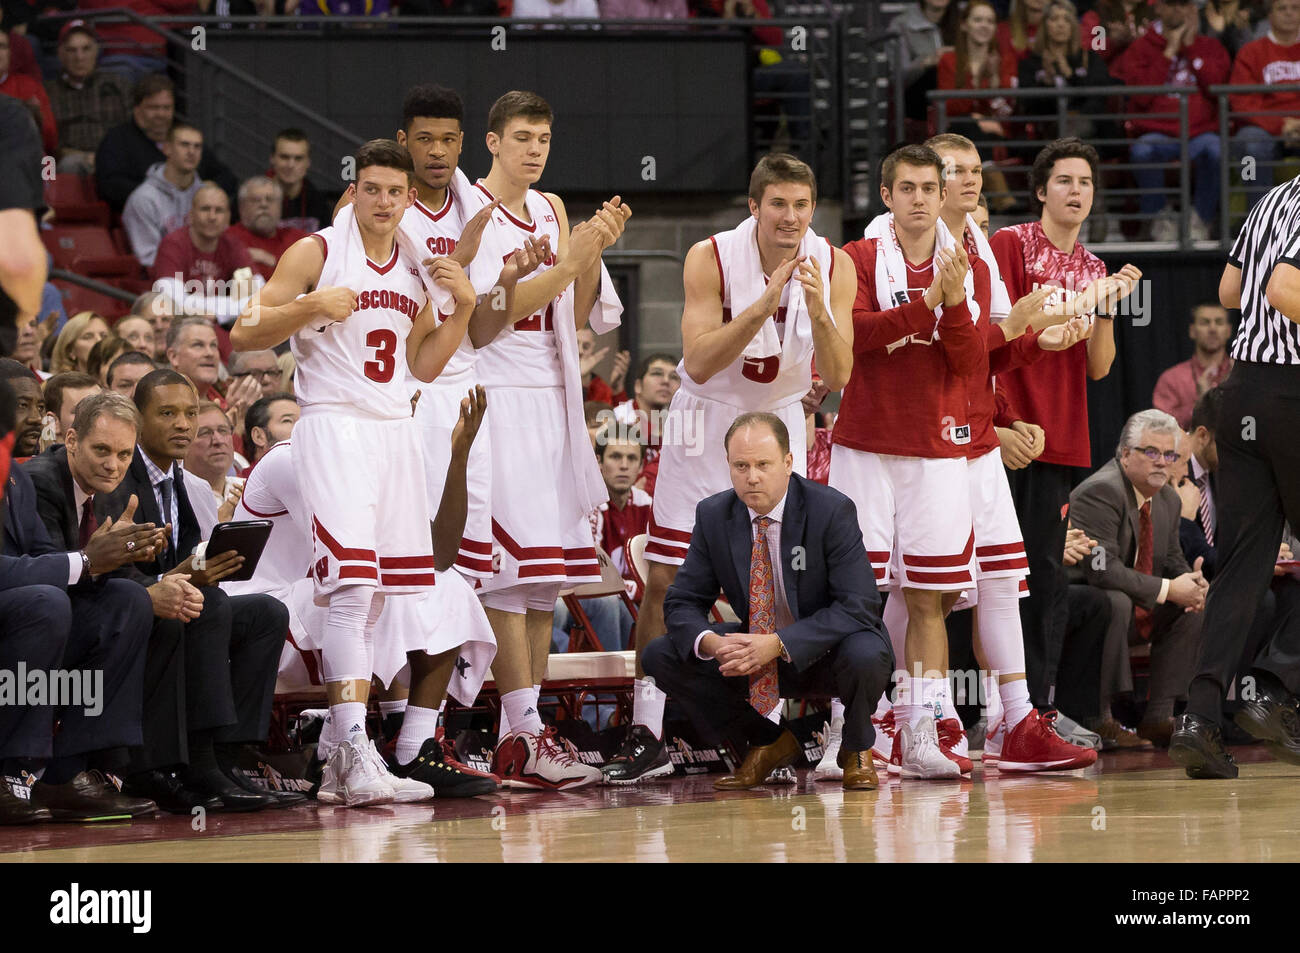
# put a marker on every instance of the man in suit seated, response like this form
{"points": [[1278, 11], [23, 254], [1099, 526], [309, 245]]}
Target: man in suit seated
{"points": [[789, 556], [1131, 510], [58, 612], [212, 659]]}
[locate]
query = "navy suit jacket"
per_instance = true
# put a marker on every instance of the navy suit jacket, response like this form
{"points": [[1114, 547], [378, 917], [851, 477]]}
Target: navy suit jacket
{"points": [[828, 581], [137, 482], [29, 559], [56, 504]]}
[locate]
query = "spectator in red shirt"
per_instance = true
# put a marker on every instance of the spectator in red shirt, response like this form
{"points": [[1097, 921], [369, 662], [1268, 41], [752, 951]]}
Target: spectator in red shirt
{"points": [[1111, 28], [30, 91], [653, 391], [1174, 53], [202, 267], [259, 229], [1271, 59], [594, 387], [1179, 387], [1017, 32], [627, 513]]}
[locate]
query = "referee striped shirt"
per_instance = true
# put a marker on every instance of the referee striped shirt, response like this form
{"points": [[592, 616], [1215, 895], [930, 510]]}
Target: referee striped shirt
{"points": [[1270, 235]]}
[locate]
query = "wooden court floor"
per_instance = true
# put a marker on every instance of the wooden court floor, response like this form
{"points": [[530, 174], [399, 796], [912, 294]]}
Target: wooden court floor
{"points": [[1129, 807]]}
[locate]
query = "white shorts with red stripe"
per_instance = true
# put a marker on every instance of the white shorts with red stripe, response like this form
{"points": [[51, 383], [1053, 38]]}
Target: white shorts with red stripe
{"points": [[693, 467], [915, 517], [436, 415], [362, 480], [539, 532], [999, 546]]}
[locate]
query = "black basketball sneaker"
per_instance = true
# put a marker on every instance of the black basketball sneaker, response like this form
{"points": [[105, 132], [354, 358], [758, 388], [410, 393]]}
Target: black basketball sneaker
{"points": [[642, 758], [447, 780]]}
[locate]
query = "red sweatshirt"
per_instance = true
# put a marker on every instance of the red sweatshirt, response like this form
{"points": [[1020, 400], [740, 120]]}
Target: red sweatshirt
{"points": [[1053, 394], [907, 393], [1204, 65], [947, 79], [1263, 61]]}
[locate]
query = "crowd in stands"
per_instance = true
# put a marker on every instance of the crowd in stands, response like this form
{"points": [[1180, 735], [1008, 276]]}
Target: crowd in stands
{"points": [[1059, 44]]}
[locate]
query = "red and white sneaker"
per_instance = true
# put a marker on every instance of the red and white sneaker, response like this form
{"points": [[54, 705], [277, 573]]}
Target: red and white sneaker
{"points": [[917, 754], [994, 735], [540, 762], [1033, 746], [883, 747], [952, 742]]}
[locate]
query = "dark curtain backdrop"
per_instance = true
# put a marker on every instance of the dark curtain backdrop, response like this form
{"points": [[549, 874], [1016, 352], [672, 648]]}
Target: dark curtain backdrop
{"points": [[1174, 283]]}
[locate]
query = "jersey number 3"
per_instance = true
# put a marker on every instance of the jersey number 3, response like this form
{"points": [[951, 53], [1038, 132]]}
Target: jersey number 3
{"points": [[384, 341]]}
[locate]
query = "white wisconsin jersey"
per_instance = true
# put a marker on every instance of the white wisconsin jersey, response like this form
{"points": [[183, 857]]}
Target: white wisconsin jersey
{"points": [[436, 233], [358, 365], [524, 354], [760, 383], [271, 492]]}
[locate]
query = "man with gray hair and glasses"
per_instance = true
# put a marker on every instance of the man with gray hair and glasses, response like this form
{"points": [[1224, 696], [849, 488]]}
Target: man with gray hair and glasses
{"points": [[1131, 510]]}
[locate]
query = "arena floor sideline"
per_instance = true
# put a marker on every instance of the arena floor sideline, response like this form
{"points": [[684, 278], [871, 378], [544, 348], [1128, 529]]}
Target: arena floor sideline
{"points": [[1130, 807]]}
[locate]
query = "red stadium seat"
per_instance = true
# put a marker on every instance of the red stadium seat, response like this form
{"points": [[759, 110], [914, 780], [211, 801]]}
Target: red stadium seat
{"points": [[88, 250], [73, 199], [77, 299]]}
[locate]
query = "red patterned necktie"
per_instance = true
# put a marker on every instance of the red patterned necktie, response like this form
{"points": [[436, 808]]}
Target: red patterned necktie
{"points": [[88, 522], [1146, 543], [763, 694], [1203, 510]]}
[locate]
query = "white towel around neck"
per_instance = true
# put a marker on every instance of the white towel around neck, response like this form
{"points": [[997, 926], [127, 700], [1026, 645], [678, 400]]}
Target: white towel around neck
{"points": [[891, 268], [744, 270], [349, 256], [999, 301]]}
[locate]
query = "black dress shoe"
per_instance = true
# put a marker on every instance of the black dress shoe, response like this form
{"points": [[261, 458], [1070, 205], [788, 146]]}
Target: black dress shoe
{"points": [[281, 798], [1197, 745], [167, 791], [642, 757], [19, 810], [90, 797], [1271, 717], [211, 782]]}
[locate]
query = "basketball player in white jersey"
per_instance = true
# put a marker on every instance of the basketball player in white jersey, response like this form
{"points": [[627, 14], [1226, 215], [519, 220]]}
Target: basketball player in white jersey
{"points": [[272, 493], [762, 300], [355, 307], [545, 480]]}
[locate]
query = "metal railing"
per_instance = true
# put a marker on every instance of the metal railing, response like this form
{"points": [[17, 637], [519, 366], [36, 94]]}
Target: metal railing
{"points": [[1228, 221], [1115, 147]]}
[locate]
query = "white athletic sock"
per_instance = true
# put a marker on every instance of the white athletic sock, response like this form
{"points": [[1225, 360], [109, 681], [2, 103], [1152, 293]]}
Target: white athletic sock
{"points": [[895, 619], [417, 728], [648, 706], [998, 616], [504, 730], [909, 707], [520, 706], [837, 709], [392, 707], [344, 719], [1015, 701], [935, 696], [992, 700]]}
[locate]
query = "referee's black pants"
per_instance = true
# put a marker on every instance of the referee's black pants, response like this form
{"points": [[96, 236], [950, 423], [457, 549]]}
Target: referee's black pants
{"points": [[1258, 438], [1041, 492]]}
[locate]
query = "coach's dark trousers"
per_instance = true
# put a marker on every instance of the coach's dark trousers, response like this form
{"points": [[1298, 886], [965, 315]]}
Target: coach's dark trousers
{"points": [[1041, 491], [857, 671], [215, 673], [1258, 438], [99, 629]]}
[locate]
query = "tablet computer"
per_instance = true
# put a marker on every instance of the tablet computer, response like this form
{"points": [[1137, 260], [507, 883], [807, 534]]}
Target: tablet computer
{"points": [[247, 537]]}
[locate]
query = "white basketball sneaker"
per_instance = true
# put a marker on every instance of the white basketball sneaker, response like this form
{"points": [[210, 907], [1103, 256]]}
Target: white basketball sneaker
{"points": [[405, 790], [882, 748], [917, 753], [351, 778], [541, 762], [828, 768]]}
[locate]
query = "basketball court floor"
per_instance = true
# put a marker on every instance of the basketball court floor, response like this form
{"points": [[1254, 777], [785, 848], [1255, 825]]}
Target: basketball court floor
{"points": [[1135, 807]]}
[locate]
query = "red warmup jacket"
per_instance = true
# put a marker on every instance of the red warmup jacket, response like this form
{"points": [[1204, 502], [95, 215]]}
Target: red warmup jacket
{"points": [[1206, 64], [1263, 61], [896, 401]]}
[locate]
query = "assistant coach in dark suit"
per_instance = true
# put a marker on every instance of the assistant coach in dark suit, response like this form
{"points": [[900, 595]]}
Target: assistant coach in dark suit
{"points": [[789, 556], [231, 644]]}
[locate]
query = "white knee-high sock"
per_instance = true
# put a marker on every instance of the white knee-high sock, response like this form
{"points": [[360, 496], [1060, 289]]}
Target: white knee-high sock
{"points": [[1003, 643], [648, 706], [895, 619]]}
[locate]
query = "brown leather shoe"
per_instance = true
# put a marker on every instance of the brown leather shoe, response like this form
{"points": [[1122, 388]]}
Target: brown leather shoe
{"points": [[859, 770], [1157, 732], [1115, 737], [759, 763]]}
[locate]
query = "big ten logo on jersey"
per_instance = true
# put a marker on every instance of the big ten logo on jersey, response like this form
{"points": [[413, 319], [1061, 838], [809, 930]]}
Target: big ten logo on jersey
{"points": [[440, 245]]}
